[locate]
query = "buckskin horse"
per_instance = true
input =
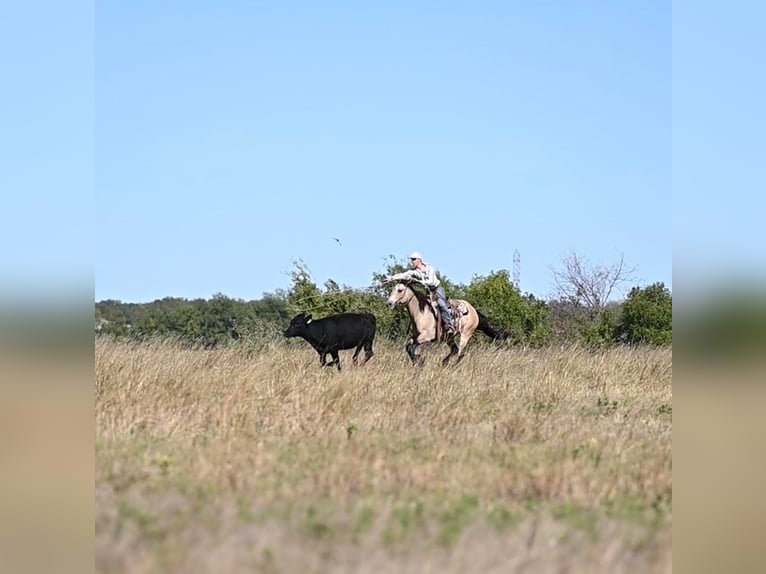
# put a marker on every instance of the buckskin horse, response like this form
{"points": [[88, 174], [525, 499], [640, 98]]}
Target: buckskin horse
{"points": [[427, 328]]}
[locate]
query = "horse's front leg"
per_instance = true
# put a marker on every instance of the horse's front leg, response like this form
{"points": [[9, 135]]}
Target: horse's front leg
{"points": [[410, 348], [415, 356], [422, 341]]}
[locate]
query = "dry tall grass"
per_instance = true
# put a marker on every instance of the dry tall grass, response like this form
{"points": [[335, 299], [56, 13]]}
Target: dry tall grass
{"points": [[233, 460]]}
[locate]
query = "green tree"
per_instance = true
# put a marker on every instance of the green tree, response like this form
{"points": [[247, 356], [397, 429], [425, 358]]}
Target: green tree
{"points": [[271, 307], [536, 322], [647, 316], [187, 322], [603, 330], [304, 295], [219, 321], [523, 317], [583, 309]]}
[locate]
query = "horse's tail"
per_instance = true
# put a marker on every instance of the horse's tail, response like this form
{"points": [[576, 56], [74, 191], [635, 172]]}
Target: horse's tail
{"points": [[487, 329]]}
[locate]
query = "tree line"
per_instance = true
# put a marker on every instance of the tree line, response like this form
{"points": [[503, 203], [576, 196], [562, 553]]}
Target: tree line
{"points": [[580, 312]]}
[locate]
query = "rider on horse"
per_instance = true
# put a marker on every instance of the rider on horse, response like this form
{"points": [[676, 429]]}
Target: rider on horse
{"points": [[425, 274]]}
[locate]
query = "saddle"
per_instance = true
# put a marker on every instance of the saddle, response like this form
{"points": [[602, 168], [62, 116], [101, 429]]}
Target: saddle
{"points": [[457, 308]]}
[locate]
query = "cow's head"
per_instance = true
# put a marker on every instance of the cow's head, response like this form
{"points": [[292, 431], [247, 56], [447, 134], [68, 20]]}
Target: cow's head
{"points": [[297, 327]]}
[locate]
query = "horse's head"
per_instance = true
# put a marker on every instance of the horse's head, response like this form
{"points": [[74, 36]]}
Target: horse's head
{"points": [[400, 295]]}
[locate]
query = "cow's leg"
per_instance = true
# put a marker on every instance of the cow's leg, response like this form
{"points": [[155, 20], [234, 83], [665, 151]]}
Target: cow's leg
{"points": [[322, 359], [368, 350], [335, 359], [367, 345], [325, 362]]}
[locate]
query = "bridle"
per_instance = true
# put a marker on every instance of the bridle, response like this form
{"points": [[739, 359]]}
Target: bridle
{"points": [[403, 298]]}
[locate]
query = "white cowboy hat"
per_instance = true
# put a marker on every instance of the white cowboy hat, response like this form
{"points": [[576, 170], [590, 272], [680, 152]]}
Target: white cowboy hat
{"points": [[416, 255]]}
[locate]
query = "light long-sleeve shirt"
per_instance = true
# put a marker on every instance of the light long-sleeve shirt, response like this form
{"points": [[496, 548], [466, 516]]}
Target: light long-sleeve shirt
{"points": [[427, 277]]}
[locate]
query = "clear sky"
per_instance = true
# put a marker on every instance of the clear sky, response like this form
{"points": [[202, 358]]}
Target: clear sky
{"points": [[235, 137]]}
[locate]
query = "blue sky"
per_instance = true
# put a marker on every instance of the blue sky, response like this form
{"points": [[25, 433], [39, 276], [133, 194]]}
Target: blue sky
{"points": [[233, 138]]}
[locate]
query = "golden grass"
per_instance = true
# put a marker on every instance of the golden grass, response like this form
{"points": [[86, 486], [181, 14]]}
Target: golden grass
{"points": [[232, 460]]}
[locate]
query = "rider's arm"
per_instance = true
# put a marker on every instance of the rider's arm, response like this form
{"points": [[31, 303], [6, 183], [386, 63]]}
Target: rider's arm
{"points": [[406, 276], [429, 278]]}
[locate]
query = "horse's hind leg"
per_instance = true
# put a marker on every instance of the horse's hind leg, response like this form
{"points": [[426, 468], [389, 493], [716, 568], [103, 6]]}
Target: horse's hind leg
{"points": [[461, 347], [453, 350]]}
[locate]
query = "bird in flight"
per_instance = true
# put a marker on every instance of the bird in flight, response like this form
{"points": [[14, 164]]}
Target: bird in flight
{"points": [[338, 240]]}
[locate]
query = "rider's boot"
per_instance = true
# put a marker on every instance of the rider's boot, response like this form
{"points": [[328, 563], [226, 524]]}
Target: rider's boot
{"points": [[448, 326]]}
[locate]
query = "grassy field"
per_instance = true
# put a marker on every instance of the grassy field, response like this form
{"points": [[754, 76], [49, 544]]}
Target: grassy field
{"points": [[234, 460]]}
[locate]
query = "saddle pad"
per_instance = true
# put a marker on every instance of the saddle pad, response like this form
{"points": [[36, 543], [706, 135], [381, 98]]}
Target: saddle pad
{"points": [[460, 308]]}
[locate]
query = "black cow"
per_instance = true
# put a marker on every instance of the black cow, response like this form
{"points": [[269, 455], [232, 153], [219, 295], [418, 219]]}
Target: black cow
{"points": [[334, 333]]}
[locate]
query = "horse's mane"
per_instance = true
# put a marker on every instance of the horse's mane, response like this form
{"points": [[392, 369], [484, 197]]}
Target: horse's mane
{"points": [[424, 302]]}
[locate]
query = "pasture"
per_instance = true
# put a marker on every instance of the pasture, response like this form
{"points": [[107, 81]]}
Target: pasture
{"points": [[236, 460]]}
